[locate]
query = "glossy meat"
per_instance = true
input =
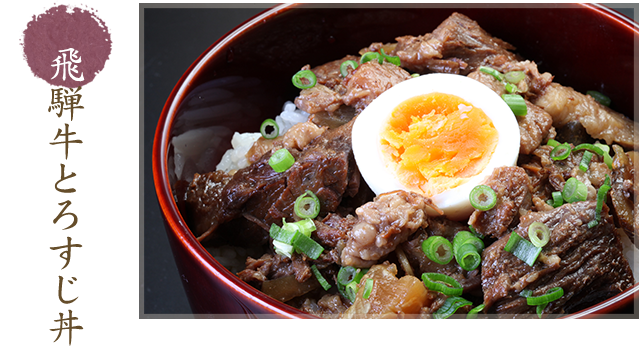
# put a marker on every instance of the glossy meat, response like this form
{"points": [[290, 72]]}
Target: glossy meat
{"points": [[382, 225], [565, 104], [586, 262]]}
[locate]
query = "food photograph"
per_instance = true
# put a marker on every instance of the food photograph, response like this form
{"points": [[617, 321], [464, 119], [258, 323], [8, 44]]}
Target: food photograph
{"points": [[387, 161]]}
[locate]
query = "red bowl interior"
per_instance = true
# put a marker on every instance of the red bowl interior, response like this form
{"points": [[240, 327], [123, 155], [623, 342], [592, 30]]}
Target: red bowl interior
{"points": [[587, 47]]}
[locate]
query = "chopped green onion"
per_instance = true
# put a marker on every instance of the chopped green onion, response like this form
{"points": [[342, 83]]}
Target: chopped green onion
{"points": [[574, 191], [350, 291], [320, 278], [308, 246], [391, 59], [306, 226], [539, 234], [553, 143], [450, 307], [438, 249], [307, 205], [282, 234], [585, 161], [476, 310], [515, 76], [283, 248], [540, 309], [512, 88], [557, 199], [442, 283], [526, 293], [491, 71], [347, 280], [265, 125], [551, 295], [599, 97], [368, 56], [414, 75], [368, 288], [474, 232], [587, 146], [467, 257], [466, 248], [606, 154], [561, 152], [516, 103], [522, 249], [465, 237], [343, 68], [483, 197], [304, 79], [281, 160], [602, 195]]}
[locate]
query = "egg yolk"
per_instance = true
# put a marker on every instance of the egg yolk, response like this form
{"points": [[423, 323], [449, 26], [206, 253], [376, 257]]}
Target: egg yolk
{"points": [[435, 142]]}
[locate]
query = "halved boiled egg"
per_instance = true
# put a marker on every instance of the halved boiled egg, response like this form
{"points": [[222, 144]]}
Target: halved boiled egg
{"points": [[439, 135]]}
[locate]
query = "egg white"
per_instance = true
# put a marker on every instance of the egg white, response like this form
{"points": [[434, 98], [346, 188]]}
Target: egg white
{"points": [[370, 124]]}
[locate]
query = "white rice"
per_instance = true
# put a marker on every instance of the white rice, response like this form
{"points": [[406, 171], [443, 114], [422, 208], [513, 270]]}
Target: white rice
{"points": [[235, 158]]}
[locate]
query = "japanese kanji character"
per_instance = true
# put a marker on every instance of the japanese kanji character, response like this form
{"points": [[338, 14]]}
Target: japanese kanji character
{"points": [[66, 324], [66, 142], [67, 66]]}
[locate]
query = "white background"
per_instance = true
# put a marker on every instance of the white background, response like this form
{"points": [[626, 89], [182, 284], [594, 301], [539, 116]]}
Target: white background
{"points": [[107, 204]]}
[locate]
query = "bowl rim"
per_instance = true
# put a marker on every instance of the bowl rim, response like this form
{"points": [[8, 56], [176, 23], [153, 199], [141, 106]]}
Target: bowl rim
{"points": [[184, 235]]}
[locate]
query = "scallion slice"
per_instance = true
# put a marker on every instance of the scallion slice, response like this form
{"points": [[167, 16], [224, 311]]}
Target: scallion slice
{"points": [[283, 248], [514, 76], [539, 234], [602, 195], [522, 249], [438, 249], [414, 75], [467, 257], [281, 160], [325, 285], [591, 147], [557, 199], [350, 291], [308, 246], [483, 197], [585, 161], [368, 288], [442, 283], [599, 97], [553, 143], [347, 280], [282, 234], [391, 59], [451, 305], [491, 71], [574, 191], [606, 154], [476, 310], [343, 68], [368, 56], [551, 295], [516, 103], [306, 226], [512, 88], [465, 237], [304, 79], [265, 126], [307, 205], [561, 152]]}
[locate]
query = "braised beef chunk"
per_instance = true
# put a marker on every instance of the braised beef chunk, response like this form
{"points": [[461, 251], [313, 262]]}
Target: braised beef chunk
{"points": [[514, 198], [586, 262], [565, 104], [329, 74], [458, 45], [369, 81], [203, 207], [382, 225], [440, 226], [535, 127], [623, 192], [357, 90], [333, 229]]}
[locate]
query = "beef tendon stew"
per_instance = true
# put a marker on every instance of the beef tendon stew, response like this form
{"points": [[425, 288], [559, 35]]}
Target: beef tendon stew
{"points": [[549, 234]]}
